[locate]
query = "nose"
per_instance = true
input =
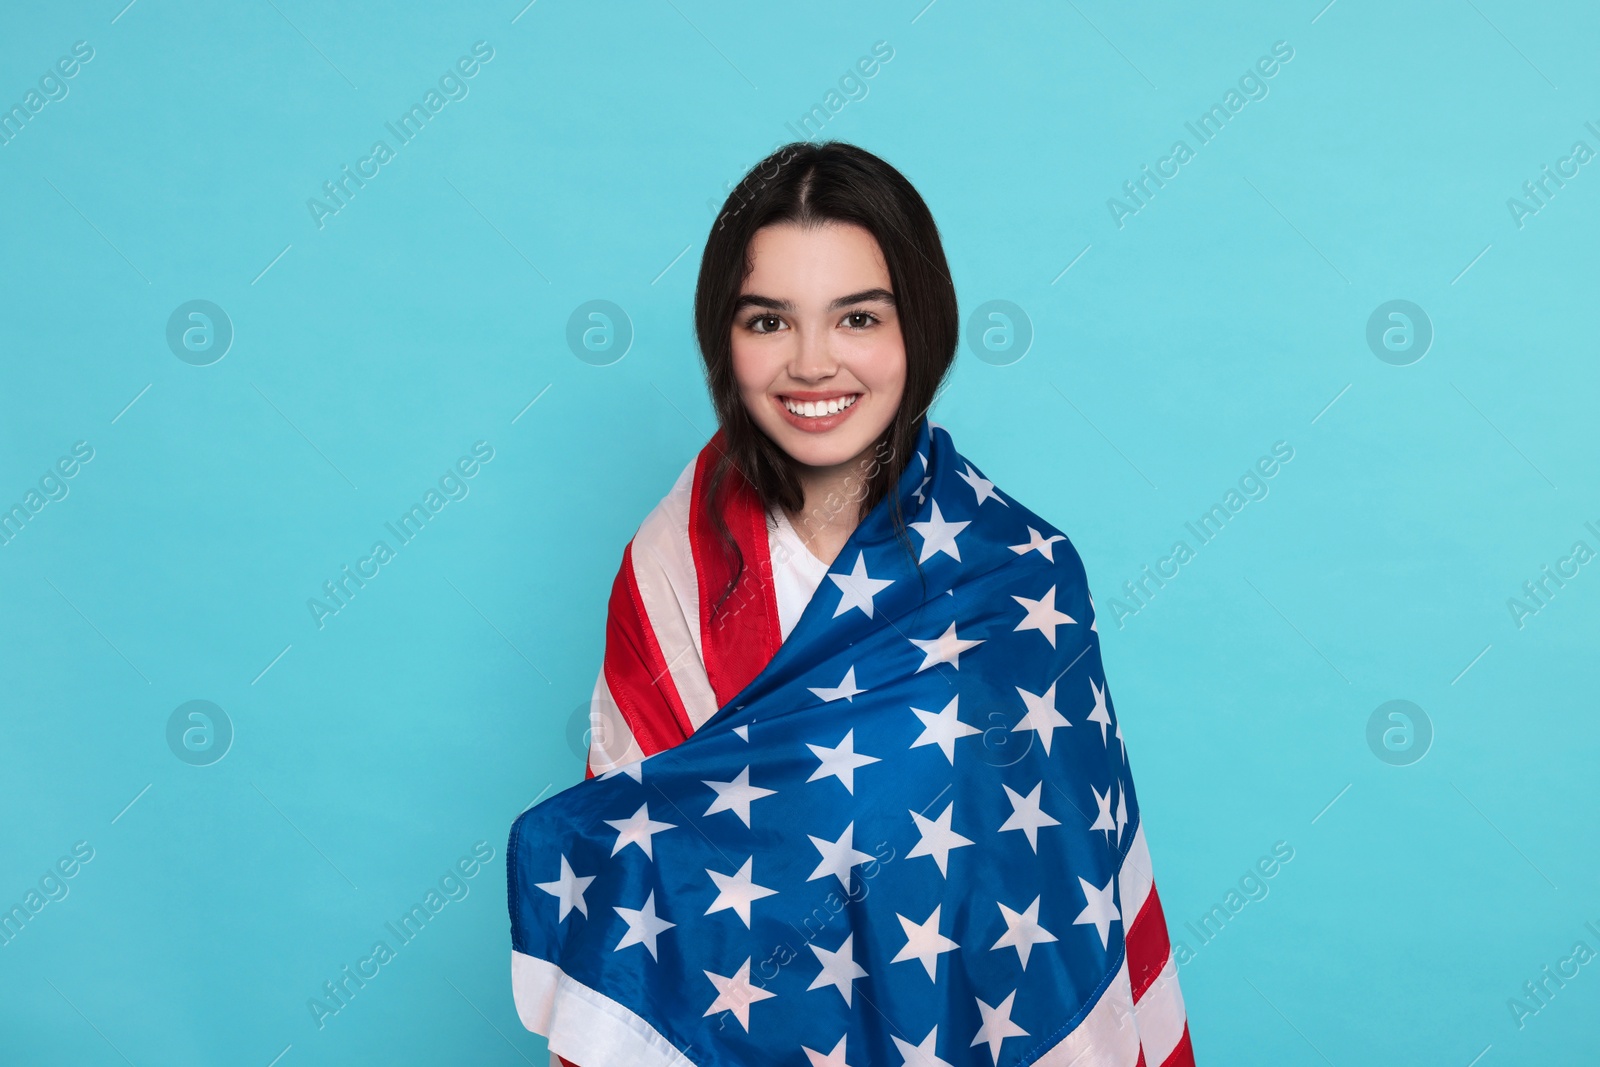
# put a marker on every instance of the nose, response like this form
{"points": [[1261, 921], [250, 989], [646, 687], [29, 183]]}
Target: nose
{"points": [[813, 358]]}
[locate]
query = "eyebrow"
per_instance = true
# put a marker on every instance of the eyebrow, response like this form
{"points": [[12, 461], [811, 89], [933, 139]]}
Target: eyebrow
{"points": [[757, 300]]}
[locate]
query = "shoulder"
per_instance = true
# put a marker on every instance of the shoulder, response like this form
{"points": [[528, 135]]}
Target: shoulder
{"points": [[656, 565], [659, 573], [662, 538], [1024, 538], [674, 507]]}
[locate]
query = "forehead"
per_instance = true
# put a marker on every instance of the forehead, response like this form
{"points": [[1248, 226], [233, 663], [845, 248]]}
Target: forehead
{"points": [[787, 260]]}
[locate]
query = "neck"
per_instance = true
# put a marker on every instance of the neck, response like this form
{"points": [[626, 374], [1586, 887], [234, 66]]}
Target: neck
{"points": [[832, 503]]}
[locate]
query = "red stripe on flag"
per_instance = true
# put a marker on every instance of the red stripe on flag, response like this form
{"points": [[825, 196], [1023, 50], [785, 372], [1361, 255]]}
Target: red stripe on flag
{"points": [[636, 671], [743, 635], [1180, 1056], [1148, 947]]}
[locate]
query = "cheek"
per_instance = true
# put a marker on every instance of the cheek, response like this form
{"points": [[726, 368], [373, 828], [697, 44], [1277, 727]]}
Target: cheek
{"points": [[754, 366], [749, 366], [882, 363]]}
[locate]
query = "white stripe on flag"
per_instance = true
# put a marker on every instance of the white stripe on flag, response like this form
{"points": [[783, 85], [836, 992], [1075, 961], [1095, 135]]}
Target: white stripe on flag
{"points": [[611, 740], [584, 1026], [1160, 1015], [1107, 1036], [663, 567], [1135, 879]]}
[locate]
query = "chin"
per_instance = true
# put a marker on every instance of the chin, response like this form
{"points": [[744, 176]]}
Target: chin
{"points": [[814, 453]]}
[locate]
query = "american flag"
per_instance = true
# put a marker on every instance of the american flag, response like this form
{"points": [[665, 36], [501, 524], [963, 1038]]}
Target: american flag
{"points": [[907, 835]]}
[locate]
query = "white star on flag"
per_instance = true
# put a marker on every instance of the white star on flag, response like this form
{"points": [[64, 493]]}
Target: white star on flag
{"points": [[736, 994], [946, 648], [633, 769], [1100, 714], [839, 968], [840, 762], [845, 690], [1042, 716], [1102, 819], [997, 1025], [1122, 809], [1027, 815], [735, 796], [943, 728], [832, 1059], [924, 942], [980, 485], [922, 1054], [857, 588], [643, 926], [637, 830], [939, 535], [738, 891], [568, 889], [1022, 931], [838, 856], [1037, 542], [1099, 910], [937, 838], [1042, 615]]}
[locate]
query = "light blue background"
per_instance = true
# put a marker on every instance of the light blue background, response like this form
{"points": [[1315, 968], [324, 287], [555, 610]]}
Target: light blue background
{"points": [[427, 314]]}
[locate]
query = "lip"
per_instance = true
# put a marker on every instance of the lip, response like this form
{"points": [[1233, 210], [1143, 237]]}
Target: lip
{"points": [[817, 394], [820, 424]]}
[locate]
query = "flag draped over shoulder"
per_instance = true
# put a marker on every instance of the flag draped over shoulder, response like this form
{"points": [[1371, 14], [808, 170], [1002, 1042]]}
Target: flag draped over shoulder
{"points": [[907, 834]]}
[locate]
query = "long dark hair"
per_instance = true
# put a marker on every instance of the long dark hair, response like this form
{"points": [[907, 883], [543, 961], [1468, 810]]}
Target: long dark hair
{"points": [[812, 184]]}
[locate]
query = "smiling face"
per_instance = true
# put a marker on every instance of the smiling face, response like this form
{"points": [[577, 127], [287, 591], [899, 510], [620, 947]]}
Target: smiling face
{"points": [[817, 351]]}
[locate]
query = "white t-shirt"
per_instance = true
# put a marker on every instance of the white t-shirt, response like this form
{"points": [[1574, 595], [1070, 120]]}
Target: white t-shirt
{"points": [[796, 573]]}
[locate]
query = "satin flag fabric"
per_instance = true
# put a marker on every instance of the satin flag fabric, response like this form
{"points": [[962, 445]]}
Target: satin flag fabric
{"points": [[907, 834]]}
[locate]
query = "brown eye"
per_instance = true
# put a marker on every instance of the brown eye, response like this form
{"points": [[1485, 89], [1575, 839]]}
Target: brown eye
{"points": [[860, 320], [765, 323]]}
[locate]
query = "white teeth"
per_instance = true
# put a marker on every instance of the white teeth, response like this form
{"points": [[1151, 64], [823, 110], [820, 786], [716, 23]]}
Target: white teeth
{"points": [[815, 409]]}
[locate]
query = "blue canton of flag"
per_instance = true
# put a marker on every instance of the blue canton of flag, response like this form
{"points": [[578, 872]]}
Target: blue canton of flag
{"points": [[901, 843]]}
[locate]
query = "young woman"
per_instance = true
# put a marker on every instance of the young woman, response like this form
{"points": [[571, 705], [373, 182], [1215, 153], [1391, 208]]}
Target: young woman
{"points": [[839, 660]]}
